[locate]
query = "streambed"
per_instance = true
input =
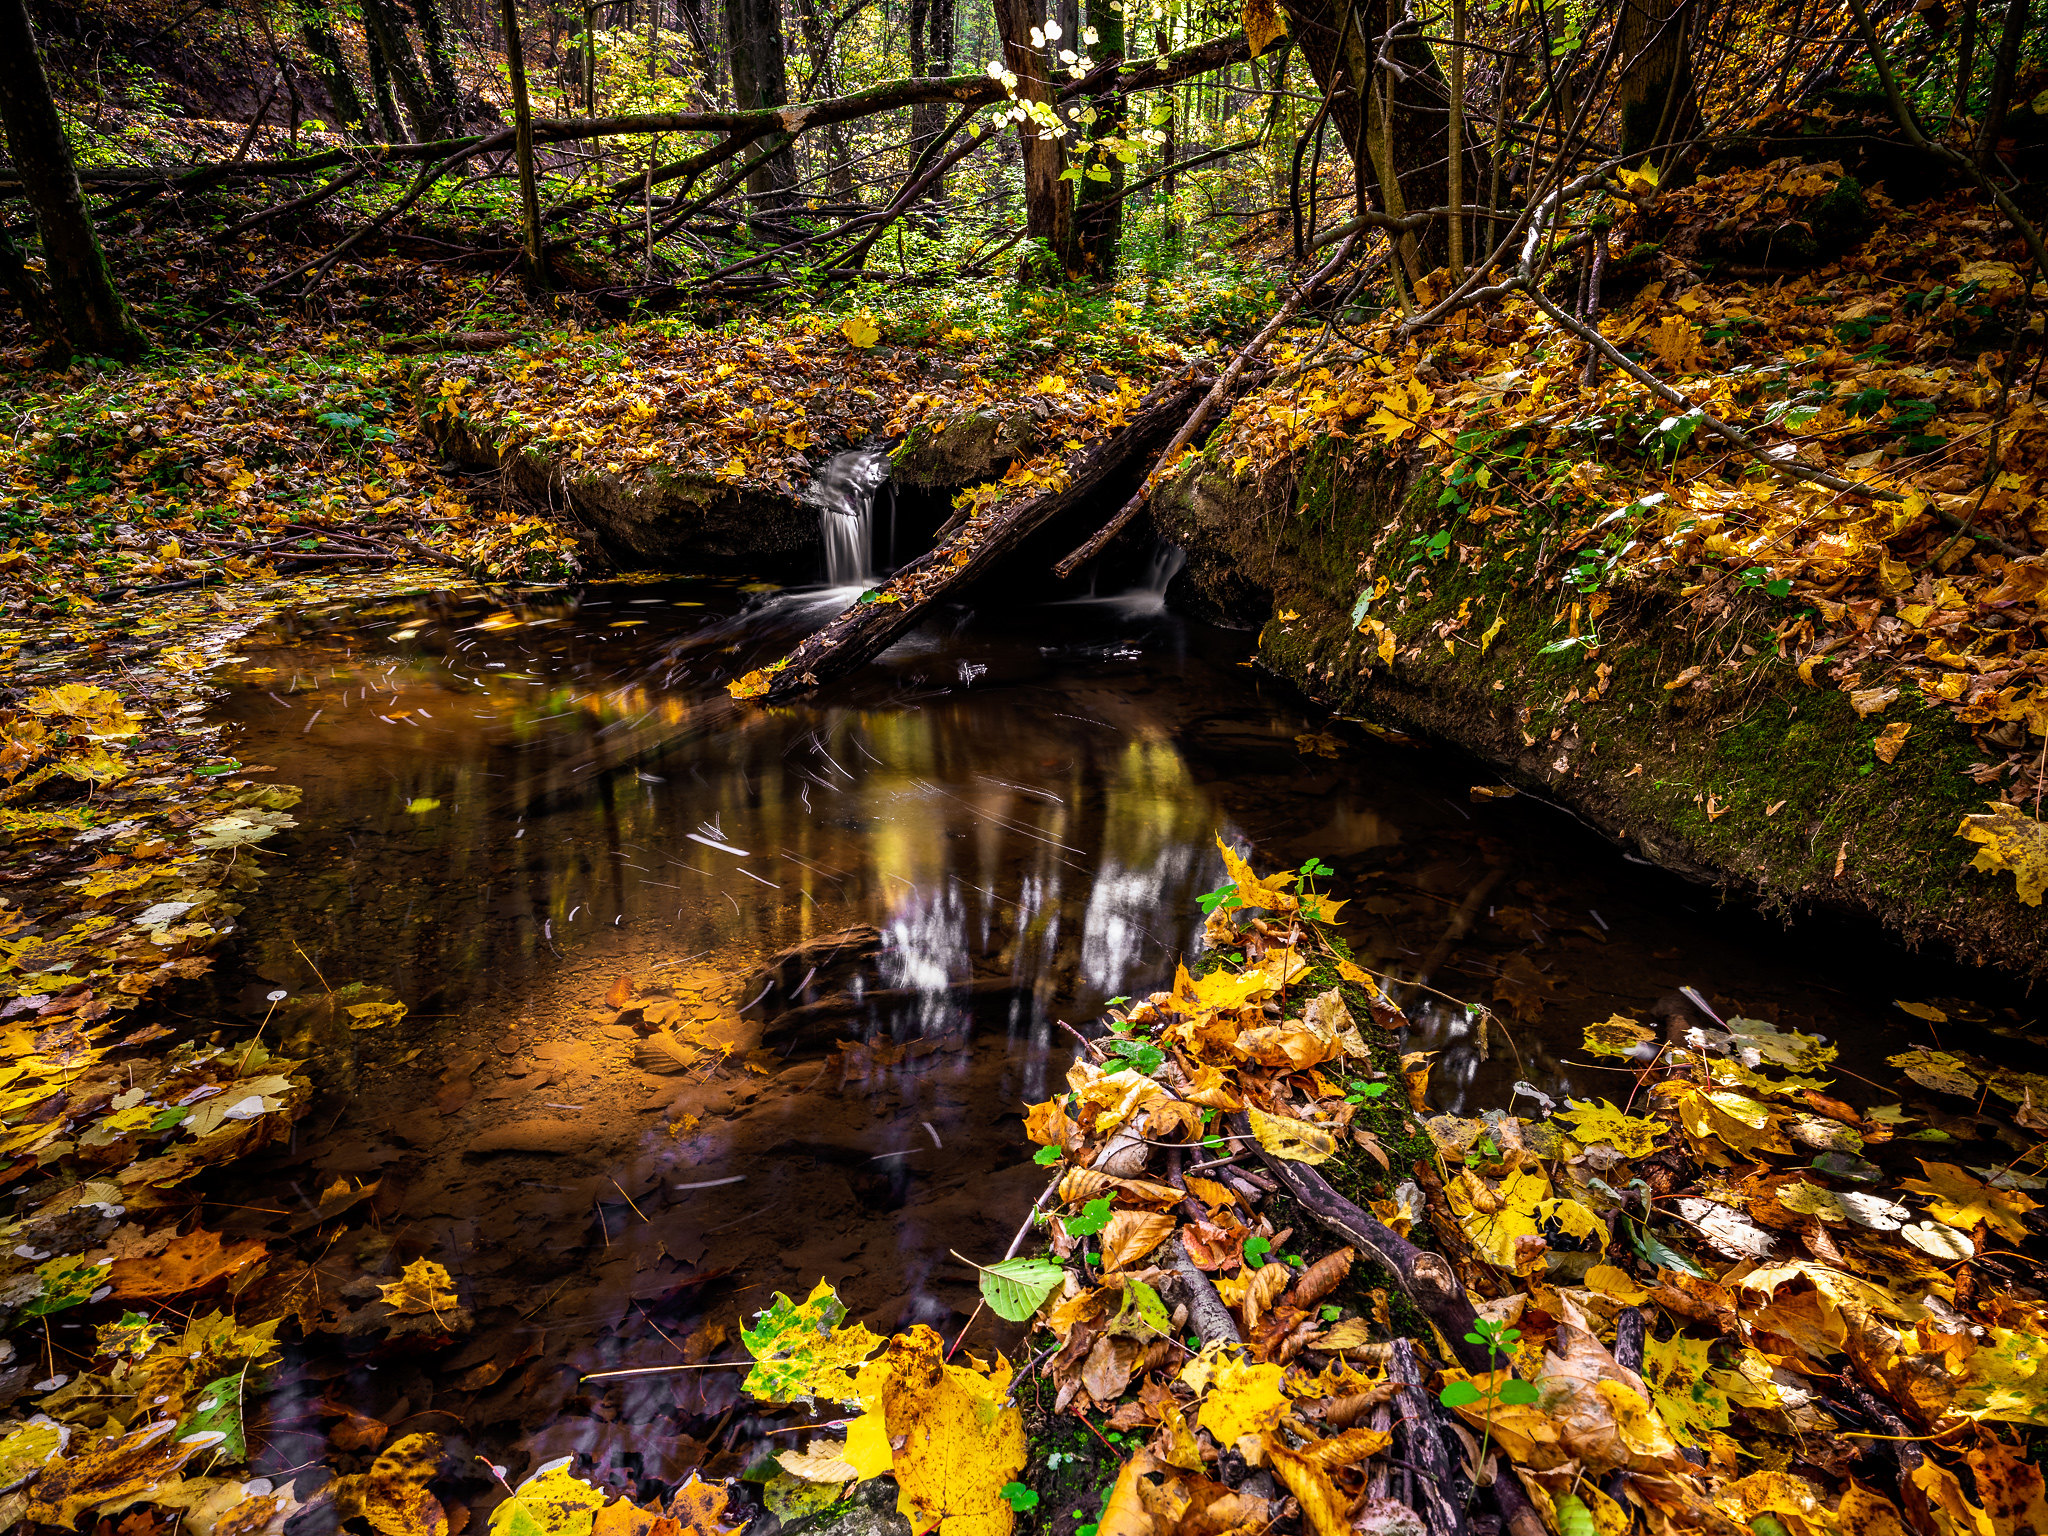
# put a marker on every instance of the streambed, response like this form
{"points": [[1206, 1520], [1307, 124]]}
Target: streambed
{"points": [[517, 817]]}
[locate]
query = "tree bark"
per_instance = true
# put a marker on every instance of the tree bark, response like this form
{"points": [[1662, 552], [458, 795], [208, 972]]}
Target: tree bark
{"points": [[825, 79], [2004, 68], [931, 53], [389, 125], [81, 286], [1397, 127], [384, 22], [1100, 214], [35, 304], [434, 37], [341, 84], [1655, 93], [522, 119], [760, 78], [1048, 202]]}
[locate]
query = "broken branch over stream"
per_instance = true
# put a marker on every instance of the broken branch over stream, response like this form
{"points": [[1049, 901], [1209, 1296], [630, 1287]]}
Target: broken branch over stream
{"points": [[879, 618]]}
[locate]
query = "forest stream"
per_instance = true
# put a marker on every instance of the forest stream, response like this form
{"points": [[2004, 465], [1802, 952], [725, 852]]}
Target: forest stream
{"points": [[546, 829]]}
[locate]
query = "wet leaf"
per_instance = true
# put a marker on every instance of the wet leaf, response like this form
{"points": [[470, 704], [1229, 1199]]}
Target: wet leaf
{"points": [[1619, 1036], [802, 1351], [1242, 1399], [114, 1468], [554, 1502], [1962, 1201], [1599, 1123], [423, 1288], [393, 1494], [1295, 1140], [1938, 1070]]}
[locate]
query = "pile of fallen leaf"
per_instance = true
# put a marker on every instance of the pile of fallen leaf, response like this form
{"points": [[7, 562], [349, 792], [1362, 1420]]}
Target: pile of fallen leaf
{"points": [[1705, 1315], [1905, 363]]}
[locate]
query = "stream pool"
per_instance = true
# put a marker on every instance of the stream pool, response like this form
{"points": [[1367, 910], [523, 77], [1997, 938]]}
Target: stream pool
{"points": [[526, 821]]}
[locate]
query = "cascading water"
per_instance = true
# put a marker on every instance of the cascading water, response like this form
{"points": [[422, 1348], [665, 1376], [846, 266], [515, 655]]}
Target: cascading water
{"points": [[844, 494]]}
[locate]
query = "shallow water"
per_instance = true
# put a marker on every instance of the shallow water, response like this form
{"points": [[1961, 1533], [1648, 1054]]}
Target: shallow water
{"points": [[509, 810]]}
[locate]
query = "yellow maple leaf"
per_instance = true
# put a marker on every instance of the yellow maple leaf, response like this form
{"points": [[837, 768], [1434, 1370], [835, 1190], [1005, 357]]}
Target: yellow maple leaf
{"points": [[1618, 1036], [1295, 1140], [860, 330], [1242, 1400], [1966, 1202], [424, 1287], [554, 1503], [2012, 840], [1598, 1123], [950, 1438]]}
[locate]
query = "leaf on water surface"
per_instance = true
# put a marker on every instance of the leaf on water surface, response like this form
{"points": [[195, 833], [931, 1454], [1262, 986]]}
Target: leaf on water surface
{"points": [[1938, 1070], [824, 1462], [27, 1448], [1016, 1288], [116, 1468], [1961, 1201], [553, 1502], [424, 1287], [801, 1351], [955, 1441], [393, 1494], [215, 1422], [1618, 1036]]}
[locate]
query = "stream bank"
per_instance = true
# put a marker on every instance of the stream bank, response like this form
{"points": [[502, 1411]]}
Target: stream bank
{"points": [[1664, 718]]}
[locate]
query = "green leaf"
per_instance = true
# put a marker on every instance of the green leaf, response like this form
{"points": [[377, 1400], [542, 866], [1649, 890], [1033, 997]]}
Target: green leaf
{"points": [[1573, 1518], [1662, 1254], [218, 1412], [1016, 1288], [1019, 1497], [1150, 1307], [1458, 1394], [1519, 1391], [1045, 1157], [1093, 1218], [1255, 1251]]}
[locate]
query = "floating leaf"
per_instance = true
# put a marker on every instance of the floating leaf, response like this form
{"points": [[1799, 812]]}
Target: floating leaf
{"points": [[1618, 1036], [423, 1287], [802, 1351], [2012, 840], [553, 1502]]}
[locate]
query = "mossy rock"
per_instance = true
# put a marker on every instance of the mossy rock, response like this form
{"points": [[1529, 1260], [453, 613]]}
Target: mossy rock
{"points": [[967, 450]]}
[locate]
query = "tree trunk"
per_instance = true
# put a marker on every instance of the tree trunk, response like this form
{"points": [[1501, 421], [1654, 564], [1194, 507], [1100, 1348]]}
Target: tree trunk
{"points": [[341, 85], [2004, 67], [439, 70], [35, 304], [1100, 215], [1655, 92], [383, 21], [522, 118], [1397, 127], [1048, 204], [1169, 181], [389, 124], [81, 286], [760, 78]]}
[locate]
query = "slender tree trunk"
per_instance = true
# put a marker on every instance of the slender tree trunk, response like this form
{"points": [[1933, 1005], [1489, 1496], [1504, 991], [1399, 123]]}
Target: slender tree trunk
{"points": [[522, 119], [589, 59], [383, 21], [439, 70], [931, 53], [760, 78], [390, 125], [1169, 183], [2002, 73], [1100, 214], [341, 85], [81, 285], [1048, 204], [1966, 64], [1655, 93], [1456, 189]]}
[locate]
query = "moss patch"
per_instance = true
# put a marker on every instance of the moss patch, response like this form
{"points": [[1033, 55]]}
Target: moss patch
{"points": [[1737, 774]]}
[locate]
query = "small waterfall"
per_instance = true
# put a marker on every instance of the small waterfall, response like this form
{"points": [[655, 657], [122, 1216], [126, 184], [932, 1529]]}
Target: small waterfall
{"points": [[1146, 596], [844, 494]]}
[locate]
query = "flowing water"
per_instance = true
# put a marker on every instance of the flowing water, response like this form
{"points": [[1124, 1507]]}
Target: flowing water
{"points": [[844, 493], [510, 810]]}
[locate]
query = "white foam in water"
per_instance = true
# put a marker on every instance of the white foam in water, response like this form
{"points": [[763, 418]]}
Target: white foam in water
{"points": [[844, 494]]}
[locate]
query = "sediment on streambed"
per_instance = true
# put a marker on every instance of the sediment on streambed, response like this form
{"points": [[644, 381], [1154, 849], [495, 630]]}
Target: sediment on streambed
{"points": [[1666, 717]]}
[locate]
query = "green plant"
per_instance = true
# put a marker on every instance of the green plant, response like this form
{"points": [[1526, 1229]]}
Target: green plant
{"points": [[1499, 1340]]}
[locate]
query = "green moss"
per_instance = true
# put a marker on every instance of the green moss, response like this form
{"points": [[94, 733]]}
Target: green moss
{"points": [[1743, 775]]}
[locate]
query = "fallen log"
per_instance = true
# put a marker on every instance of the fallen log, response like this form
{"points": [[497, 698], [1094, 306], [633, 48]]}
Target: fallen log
{"points": [[871, 625]]}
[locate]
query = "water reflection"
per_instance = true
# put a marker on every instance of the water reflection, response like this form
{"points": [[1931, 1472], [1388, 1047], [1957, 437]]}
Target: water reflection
{"points": [[513, 813]]}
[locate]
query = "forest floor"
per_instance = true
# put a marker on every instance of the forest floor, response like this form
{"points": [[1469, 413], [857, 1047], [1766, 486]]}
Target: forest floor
{"points": [[159, 510]]}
